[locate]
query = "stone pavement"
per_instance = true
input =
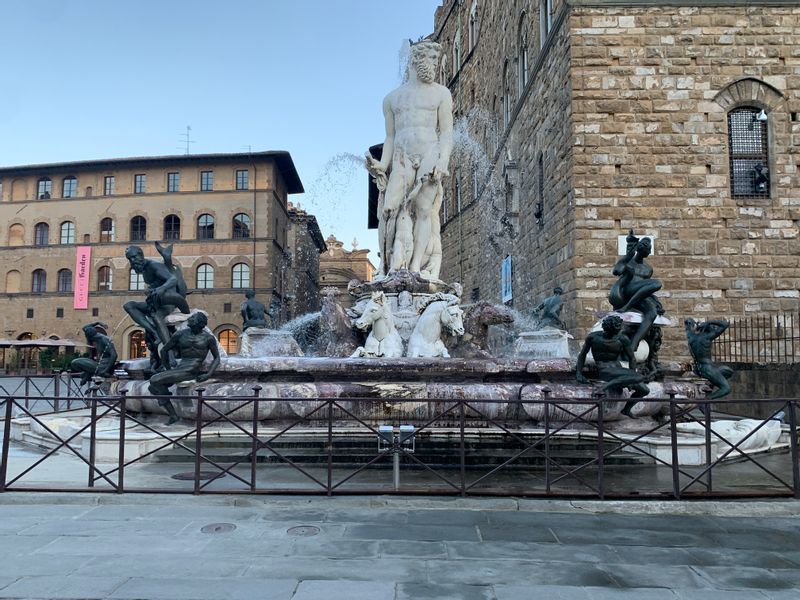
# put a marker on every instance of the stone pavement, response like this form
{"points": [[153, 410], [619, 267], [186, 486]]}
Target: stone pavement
{"points": [[394, 548]]}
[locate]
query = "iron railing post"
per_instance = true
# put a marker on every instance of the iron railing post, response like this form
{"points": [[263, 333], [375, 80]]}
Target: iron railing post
{"points": [[27, 381], [792, 409], [673, 435], [330, 448], [254, 450], [9, 404], [198, 442], [546, 393], [600, 457], [707, 415], [57, 387], [462, 449], [121, 457], [92, 433]]}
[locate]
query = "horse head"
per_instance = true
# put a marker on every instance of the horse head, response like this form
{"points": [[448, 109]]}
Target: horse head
{"points": [[452, 318], [376, 309]]}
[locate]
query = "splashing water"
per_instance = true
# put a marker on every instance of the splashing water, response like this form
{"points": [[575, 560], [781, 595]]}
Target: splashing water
{"points": [[305, 329], [403, 58]]}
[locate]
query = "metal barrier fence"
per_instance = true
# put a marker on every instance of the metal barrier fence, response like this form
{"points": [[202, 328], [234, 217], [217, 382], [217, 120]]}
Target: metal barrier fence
{"points": [[572, 451], [760, 339], [45, 393]]}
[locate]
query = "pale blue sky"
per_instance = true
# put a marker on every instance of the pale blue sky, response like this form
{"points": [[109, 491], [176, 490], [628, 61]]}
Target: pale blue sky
{"points": [[104, 79]]}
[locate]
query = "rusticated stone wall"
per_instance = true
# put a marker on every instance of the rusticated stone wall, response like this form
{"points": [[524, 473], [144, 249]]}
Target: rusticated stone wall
{"points": [[628, 106]]}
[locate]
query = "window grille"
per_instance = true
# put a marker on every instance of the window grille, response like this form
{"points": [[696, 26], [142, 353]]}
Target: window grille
{"points": [[749, 153]]}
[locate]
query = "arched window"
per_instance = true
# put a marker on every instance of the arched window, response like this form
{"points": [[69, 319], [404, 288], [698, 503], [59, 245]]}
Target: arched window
{"points": [[135, 280], [104, 279], [240, 276], [138, 229], [44, 188], [106, 230], [748, 148], [172, 227], [64, 280], [241, 226], [39, 281], [545, 20], [67, 232], [473, 24], [205, 277], [457, 50], [16, 235], [69, 188], [522, 44], [205, 227], [41, 234], [506, 96], [229, 340], [137, 348], [13, 282]]}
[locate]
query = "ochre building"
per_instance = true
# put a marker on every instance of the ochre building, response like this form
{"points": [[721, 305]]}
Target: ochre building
{"points": [[338, 267], [576, 121], [226, 216]]}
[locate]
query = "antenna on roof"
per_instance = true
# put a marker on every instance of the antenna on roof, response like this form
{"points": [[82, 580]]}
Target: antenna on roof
{"points": [[188, 136]]}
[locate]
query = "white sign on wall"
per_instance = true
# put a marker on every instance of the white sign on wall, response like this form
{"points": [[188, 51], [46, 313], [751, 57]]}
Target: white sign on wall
{"points": [[505, 280], [622, 243]]}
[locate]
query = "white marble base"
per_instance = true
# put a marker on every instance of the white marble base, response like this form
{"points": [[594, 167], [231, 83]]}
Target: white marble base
{"points": [[543, 343], [257, 342]]}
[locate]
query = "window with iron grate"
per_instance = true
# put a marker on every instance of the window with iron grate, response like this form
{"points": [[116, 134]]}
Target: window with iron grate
{"points": [[748, 148]]}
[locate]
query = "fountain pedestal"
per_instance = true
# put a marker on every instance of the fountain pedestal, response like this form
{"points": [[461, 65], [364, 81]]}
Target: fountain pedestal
{"points": [[258, 341], [548, 342]]}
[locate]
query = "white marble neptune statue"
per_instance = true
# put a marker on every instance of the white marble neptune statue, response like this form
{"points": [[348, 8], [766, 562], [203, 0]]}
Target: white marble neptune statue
{"points": [[416, 153]]}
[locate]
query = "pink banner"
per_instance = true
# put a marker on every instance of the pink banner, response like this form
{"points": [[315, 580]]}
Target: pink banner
{"points": [[82, 263]]}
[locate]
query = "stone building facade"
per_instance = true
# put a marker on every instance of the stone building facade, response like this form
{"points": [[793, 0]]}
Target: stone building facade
{"points": [[338, 267], [303, 268], [225, 214], [576, 121]]}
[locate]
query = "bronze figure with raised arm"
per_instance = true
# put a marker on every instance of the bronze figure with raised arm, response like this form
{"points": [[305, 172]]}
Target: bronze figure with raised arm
{"points": [[166, 291], [635, 288], [700, 336]]}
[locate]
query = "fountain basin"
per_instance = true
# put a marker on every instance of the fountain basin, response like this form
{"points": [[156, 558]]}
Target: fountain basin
{"points": [[411, 388]]}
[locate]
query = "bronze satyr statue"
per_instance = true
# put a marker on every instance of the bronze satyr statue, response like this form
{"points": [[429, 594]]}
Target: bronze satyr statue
{"points": [[193, 345], [608, 347], [549, 310], [700, 336], [106, 355], [635, 287], [166, 291], [253, 312]]}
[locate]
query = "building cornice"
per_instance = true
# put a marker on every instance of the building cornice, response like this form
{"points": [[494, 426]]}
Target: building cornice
{"points": [[692, 3], [281, 158]]}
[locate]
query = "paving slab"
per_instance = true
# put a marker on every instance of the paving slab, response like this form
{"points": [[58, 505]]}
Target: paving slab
{"points": [[481, 572], [351, 590], [719, 595], [657, 576], [182, 588], [376, 569], [58, 587], [630, 594], [453, 591], [24, 565], [423, 533], [416, 549], [545, 592], [492, 550], [749, 577]]}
